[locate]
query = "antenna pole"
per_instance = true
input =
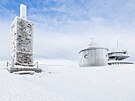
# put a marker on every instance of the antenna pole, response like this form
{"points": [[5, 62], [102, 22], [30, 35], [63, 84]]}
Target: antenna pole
{"points": [[117, 44], [23, 11]]}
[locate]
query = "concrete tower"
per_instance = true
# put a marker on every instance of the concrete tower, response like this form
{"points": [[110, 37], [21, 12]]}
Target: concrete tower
{"points": [[22, 43]]}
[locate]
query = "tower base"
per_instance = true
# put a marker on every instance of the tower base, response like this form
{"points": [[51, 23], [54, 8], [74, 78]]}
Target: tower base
{"points": [[18, 69]]}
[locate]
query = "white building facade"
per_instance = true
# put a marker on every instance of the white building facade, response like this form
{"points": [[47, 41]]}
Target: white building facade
{"points": [[93, 55]]}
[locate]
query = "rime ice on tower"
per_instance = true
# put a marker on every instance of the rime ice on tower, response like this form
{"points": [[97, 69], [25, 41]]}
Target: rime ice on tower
{"points": [[22, 43]]}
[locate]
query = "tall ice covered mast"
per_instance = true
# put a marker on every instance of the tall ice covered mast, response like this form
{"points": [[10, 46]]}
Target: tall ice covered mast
{"points": [[22, 43]]}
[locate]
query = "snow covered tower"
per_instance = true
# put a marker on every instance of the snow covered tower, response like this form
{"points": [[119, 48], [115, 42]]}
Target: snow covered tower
{"points": [[22, 43], [93, 55]]}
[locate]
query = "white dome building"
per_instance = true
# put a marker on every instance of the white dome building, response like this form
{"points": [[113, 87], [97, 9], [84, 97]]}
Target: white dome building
{"points": [[93, 55]]}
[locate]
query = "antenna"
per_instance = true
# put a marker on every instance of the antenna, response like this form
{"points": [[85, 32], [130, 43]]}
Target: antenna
{"points": [[23, 11], [117, 44]]}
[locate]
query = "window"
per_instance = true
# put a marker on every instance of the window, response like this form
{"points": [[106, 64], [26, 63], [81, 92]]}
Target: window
{"points": [[85, 56]]}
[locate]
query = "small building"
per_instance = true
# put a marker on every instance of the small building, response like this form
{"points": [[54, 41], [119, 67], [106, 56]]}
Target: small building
{"points": [[118, 57], [93, 55]]}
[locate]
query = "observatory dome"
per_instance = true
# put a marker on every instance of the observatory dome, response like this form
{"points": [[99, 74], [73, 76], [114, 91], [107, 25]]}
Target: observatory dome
{"points": [[93, 55], [93, 45]]}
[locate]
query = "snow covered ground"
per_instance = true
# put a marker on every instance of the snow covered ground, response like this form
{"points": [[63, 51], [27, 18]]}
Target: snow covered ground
{"points": [[70, 83]]}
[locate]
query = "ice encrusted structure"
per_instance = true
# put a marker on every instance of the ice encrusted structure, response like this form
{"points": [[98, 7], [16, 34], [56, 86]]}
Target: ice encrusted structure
{"points": [[22, 43]]}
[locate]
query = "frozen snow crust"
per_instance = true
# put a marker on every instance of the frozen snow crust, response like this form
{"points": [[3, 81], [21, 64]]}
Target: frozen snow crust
{"points": [[70, 83]]}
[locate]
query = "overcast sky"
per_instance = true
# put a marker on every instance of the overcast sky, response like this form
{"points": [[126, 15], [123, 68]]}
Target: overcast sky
{"points": [[63, 27]]}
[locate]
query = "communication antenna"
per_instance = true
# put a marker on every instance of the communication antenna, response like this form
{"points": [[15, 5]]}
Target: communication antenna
{"points": [[117, 44], [23, 13]]}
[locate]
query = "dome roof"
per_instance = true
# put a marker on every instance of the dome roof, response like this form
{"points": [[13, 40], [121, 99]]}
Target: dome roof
{"points": [[93, 45]]}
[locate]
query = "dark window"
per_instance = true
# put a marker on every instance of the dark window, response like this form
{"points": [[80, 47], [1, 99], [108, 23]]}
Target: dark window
{"points": [[85, 56]]}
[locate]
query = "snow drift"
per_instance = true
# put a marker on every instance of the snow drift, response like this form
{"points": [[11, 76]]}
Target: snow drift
{"points": [[70, 83]]}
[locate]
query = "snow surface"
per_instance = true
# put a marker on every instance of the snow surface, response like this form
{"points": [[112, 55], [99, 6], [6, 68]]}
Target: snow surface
{"points": [[70, 83]]}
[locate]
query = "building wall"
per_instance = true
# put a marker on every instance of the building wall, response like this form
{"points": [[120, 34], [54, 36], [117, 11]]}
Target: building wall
{"points": [[93, 57], [22, 42]]}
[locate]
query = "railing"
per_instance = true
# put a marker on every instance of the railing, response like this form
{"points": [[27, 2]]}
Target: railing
{"points": [[117, 55], [9, 64], [36, 64]]}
